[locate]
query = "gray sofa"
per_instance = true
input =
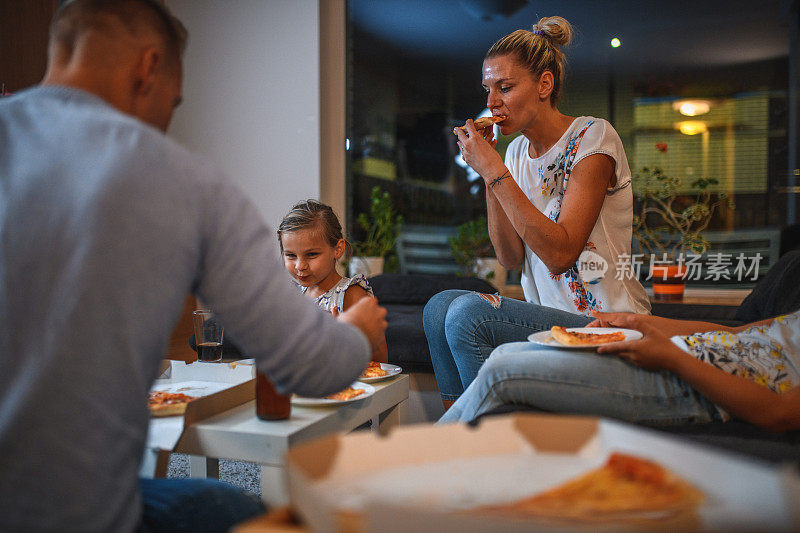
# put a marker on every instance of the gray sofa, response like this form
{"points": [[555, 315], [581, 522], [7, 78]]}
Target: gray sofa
{"points": [[404, 296]]}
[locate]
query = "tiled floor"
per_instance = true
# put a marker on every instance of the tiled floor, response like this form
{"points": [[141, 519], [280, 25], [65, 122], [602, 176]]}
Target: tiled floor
{"points": [[239, 473]]}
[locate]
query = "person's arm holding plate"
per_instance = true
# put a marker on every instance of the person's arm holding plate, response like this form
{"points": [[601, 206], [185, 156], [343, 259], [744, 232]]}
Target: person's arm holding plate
{"points": [[739, 396], [668, 326]]}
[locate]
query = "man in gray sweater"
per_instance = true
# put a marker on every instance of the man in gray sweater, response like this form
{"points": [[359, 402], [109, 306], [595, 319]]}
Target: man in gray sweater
{"points": [[105, 225]]}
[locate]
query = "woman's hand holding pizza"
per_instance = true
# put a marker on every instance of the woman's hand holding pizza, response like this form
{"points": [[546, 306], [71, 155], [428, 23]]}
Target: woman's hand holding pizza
{"points": [[477, 150], [654, 351]]}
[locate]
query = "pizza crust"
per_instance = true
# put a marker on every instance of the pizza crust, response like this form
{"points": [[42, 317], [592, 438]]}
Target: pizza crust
{"points": [[574, 338], [170, 409]]}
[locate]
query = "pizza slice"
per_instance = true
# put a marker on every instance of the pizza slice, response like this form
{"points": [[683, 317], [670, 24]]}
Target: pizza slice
{"points": [[347, 394], [576, 338], [625, 488], [373, 370], [168, 403], [484, 122]]}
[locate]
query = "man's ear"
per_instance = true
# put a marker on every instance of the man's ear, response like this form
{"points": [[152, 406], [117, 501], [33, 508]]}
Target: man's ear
{"points": [[546, 85], [147, 69]]}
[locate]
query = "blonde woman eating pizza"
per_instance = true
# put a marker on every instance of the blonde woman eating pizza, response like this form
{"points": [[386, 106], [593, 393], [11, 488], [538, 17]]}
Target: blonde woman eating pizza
{"points": [[560, 205]]}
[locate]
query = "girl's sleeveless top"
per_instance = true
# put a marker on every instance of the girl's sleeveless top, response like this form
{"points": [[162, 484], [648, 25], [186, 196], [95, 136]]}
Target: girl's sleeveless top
{"points": [[335, 296]]}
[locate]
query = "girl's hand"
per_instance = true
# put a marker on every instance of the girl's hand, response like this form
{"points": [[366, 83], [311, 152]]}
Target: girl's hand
{"points": [[654, 351], [477, 150], [335, 311]]}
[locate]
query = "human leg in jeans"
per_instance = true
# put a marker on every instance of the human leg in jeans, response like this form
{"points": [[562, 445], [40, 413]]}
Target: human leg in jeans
{"points": [[194, 505], [463, 327], [579, 382]]}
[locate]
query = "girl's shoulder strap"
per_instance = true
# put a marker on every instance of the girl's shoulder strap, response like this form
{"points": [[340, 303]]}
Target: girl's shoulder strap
{"points": [[358, 279]]}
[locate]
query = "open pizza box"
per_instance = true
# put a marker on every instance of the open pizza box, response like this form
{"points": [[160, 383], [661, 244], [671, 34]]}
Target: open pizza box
{"points": [[432, 478], [217, 387]]}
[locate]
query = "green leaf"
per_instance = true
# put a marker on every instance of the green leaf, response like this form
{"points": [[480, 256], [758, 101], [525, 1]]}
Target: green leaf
{"points": [[381, 226]]}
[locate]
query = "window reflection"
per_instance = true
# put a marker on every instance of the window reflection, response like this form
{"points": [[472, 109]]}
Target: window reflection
{"points": [[708, 111]]}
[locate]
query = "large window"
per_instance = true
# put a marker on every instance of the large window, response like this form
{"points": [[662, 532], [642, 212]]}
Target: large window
{"points": [[408, 88]]}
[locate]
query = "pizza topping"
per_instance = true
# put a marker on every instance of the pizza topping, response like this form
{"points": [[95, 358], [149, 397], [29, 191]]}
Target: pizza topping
{"points": [[168, 403], [373, 370], [346, 394], [576, 338], [166, 398]]}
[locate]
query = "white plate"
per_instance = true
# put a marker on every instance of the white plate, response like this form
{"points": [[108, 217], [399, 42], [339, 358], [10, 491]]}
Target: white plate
{"points": [[369, 390], [391, 370], [544, 338]]}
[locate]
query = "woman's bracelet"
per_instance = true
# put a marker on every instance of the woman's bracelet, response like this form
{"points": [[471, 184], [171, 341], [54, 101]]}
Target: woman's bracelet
{"points": [[495, 181]]}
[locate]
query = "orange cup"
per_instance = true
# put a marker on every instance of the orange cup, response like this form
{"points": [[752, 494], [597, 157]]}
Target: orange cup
{"points": [[668, 281], [270, 405]]}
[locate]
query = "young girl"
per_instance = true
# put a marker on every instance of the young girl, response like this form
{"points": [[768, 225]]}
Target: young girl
{"points": [[311, 241]]}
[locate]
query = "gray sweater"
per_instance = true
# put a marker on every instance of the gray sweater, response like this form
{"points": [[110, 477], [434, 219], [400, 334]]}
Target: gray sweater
{"points": [[105, 226]]}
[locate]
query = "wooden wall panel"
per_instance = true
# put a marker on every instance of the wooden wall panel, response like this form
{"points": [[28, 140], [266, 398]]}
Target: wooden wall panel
{"points": [[178, 348], [24, 27]]}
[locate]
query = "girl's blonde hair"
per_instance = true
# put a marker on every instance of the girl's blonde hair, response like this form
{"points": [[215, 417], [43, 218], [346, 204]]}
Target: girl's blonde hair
{"points": [[539, 50], [312, 214]]}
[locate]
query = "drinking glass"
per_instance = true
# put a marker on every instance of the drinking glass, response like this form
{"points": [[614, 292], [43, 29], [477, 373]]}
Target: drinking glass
{"points": [[208, 335]]}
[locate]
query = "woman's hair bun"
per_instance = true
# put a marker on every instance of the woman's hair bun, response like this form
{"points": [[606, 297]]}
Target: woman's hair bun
{"points": [[558, 29]]}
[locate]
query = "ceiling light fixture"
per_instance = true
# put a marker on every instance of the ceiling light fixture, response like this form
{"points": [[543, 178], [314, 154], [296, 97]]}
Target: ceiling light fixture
{"points": [[692, 127], [692, 108]]}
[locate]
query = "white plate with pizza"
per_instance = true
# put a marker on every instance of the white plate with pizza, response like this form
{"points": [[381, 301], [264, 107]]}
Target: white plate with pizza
{"points": [[355, 392], [559, 337], [378, 371]]}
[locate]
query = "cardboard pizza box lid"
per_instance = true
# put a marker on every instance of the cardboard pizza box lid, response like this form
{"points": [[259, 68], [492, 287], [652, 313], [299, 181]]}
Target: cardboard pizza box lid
{"points": [[419, 477], [217, 386]]}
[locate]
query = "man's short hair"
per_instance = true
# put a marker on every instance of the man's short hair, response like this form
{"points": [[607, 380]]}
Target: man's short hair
{"points": [[77, 16]]}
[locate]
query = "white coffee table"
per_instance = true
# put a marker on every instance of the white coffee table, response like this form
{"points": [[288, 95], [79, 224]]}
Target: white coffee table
{"points": [[238, 434]]}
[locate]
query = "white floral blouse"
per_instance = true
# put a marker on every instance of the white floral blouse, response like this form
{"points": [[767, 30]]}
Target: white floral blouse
{"points": [[592, 283], [335, 295], [768, 355]]}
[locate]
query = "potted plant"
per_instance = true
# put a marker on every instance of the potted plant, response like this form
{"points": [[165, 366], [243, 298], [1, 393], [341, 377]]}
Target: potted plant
{"points": [[381, 228], [473, 251], [669, 226]]}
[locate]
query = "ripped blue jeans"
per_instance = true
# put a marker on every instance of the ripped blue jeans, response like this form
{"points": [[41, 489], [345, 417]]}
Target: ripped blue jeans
{"points": [[463, 327]]}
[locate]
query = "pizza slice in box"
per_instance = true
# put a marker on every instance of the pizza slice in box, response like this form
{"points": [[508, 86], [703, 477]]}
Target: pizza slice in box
{"points": [[625, 488], [168, 403]]}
